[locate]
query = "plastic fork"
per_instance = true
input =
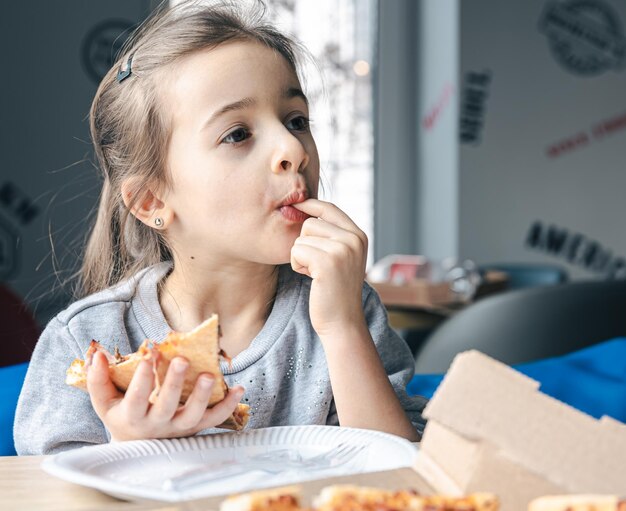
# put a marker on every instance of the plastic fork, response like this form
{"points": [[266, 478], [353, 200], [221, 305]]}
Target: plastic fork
{"points": [[268, 463]]}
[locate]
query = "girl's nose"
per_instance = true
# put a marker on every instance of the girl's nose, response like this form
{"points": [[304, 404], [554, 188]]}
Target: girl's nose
{"points": [[290, 155]]}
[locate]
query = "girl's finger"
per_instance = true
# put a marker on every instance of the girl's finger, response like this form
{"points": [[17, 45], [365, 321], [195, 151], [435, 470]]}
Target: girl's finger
{"points": [[221, 411], [192, 413], [332, 247], [318, 227], [305, 259], [169, 394], [136, 400], [338, 253], [328, 212], [101, 389]]}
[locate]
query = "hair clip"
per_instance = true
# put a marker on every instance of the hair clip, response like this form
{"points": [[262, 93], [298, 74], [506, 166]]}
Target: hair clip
{"points": [[122, 74]]}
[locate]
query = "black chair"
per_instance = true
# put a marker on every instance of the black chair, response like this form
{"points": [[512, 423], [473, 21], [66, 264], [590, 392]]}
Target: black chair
{"points": [[529, 324]]}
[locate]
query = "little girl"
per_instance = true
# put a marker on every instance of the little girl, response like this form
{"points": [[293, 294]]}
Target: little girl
{"points": [[209, 204]]}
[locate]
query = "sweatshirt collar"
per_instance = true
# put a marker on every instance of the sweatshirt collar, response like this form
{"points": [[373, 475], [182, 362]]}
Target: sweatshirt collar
{"points": [[150, 317]]}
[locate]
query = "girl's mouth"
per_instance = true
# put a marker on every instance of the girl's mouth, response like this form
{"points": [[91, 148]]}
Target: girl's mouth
{"points": [[292, 214], [287, 210]]}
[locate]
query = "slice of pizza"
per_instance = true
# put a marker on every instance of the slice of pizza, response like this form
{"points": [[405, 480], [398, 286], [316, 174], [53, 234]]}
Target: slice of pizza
{"points": [[578, 503], [201, 349], [276, 499], [359, 498]]}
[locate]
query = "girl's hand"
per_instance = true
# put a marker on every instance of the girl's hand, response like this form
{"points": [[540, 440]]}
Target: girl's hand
{"points": [[130, 416], [331, 250]]}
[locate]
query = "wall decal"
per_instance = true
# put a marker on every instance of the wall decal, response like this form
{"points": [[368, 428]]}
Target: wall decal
{"points": [[575, 248], [585, 36], [597, 131], [101, 46], [435, 112], [475, 92], [568, 144], [17, 204], [609, 126]]}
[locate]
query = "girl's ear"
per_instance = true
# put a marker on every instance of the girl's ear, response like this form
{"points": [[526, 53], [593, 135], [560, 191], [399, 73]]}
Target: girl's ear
{"points": [[144, 203]]}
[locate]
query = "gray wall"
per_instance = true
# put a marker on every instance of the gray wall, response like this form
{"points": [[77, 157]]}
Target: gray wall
{"points": [[501, 132], [48, 185], [541, 156], [416, 128]]}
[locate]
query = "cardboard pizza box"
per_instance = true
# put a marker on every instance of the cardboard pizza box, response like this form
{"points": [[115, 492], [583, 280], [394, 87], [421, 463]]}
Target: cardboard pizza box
{"points": [[491, 429]]}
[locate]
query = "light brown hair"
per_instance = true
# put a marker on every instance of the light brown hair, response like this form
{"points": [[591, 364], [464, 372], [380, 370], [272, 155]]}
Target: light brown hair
{"points": [[130, 127]]}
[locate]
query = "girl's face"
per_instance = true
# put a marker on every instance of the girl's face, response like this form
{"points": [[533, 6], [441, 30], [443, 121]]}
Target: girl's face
{"points": [[240, 150]]}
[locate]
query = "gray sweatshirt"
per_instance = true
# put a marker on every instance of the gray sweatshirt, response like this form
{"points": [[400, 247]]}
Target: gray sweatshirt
{"points": [[284, 369]]}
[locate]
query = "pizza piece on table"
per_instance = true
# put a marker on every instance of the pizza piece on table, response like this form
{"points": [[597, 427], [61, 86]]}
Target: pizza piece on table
{"points": [[278, 499], [578, 503], [357, 498]]}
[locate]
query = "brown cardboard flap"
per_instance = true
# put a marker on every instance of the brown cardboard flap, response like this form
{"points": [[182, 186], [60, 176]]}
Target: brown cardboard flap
{"points": [[514, 485], [483, 399], [610, 424], [459, 458], [436, 477]]}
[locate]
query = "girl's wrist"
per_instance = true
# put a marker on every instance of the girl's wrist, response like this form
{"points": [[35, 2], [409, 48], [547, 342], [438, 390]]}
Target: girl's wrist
{"points": [[348, 334]]}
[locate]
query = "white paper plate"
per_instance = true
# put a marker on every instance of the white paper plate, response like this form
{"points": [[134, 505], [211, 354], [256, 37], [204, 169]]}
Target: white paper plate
{"points": [[137, 470]]}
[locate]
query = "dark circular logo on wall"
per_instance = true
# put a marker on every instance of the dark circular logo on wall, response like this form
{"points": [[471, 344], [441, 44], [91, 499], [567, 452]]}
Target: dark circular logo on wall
{"points": [[101, 46], [585, 35]]}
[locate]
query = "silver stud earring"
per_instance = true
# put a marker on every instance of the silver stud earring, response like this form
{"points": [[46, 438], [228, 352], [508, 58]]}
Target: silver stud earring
{"points": [[158, 221]]}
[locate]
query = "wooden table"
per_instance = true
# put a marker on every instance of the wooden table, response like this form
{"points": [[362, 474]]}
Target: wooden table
{"points": [[403, 318], [423, 305], [25, 486]]}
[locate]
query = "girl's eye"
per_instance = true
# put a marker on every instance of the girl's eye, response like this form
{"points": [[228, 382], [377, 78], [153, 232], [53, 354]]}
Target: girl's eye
{"points": [[237, 136], [300, 123]]}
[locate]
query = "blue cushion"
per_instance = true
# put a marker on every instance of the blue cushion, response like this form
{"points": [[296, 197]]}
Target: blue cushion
{"points": [[424, 385], [11, 380], [592, 379]]}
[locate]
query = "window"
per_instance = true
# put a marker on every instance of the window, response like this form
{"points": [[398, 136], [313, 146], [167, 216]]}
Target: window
{"points": [[340, 36]]}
